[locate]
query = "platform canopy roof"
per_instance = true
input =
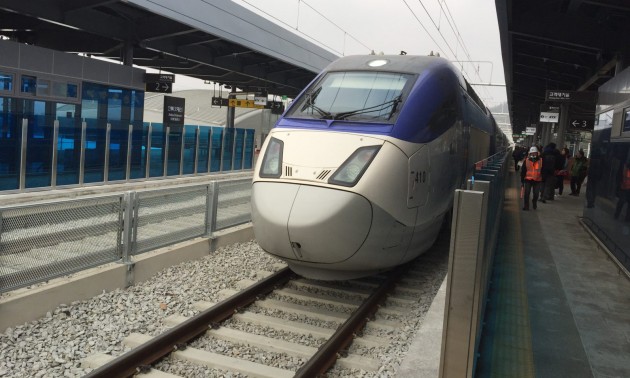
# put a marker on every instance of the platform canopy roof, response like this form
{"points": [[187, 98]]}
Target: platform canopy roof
{"points": [[573, 45], [214, 40]]}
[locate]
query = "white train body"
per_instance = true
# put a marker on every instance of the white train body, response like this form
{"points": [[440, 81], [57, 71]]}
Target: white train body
{"points": [[338, 196]]}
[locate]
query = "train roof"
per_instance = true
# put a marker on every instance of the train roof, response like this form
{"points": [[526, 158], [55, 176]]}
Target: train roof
{"points": [[412, 64]]}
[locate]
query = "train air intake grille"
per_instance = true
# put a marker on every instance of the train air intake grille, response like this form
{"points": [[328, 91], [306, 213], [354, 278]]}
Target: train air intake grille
{"points": [[288, 171], [323, 174]]}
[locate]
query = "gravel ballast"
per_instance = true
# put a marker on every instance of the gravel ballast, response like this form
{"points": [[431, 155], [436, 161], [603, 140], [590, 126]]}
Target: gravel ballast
{"points": [[54, 345]]}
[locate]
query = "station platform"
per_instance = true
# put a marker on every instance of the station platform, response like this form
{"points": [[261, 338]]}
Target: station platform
{"points": [[558, 306]]}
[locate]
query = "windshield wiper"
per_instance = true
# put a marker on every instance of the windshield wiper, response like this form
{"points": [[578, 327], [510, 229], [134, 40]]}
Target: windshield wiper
{"points": [[310, 103], [376, 108], [324, 114]]}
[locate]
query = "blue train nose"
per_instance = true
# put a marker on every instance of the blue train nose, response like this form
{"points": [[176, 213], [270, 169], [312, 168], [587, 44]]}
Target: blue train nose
{"points": [[307, 223]]}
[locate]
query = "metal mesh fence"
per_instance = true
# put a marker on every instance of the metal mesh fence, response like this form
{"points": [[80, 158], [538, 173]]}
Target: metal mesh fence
{"points": [[40, 242], [169, 216], [234, 205]]}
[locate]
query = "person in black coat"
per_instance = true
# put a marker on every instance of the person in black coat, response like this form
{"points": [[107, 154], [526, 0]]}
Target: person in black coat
{"points": [[553, 161]]}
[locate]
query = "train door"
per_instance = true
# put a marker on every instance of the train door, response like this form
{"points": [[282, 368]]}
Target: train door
{"points": [[418, 178]]}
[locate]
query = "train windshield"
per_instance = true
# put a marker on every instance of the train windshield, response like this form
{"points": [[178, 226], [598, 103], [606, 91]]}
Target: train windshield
{"points": [[365, 96]]}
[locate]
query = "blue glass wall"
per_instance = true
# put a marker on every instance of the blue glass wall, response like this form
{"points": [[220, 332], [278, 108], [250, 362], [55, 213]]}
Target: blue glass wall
{"points": [[119, 133], [118, 141], [248, 163], [174, 150], [215, 152], [38, 144], [238, 149], [95, 135], [139, 139], [10, 144], [107, 156], [190, 142], [228, 145], [204, 148], [68, 145], [94, 113], [157, 150]]}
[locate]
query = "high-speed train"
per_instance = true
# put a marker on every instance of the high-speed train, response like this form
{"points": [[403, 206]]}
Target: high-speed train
{"points": [[359, 173]]}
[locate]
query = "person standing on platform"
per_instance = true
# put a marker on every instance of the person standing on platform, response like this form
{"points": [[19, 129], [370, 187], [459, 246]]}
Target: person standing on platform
{"points": [[551, 159], [531, 177], [624, 191], [562, 172], [578, 173], [518, 155]]}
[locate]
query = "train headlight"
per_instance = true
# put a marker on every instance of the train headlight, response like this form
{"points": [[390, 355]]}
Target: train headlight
{"points": [[272, 162], [350, 172]]}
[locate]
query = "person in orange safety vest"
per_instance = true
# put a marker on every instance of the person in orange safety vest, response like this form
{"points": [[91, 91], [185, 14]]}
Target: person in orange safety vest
{"points": [[531, 177], [624, 191]]}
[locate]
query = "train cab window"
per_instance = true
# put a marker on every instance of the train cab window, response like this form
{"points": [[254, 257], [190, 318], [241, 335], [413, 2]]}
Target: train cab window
{"points": [[365, 96]]}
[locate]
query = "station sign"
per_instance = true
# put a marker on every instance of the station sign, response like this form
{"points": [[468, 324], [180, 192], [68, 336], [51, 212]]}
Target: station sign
{"points": [[161, 83], [530, 130], [570, 96], [277, 107], [238, 103], [260, 98], [549, 117], [581, 124], [174, 109], [219, 101]]}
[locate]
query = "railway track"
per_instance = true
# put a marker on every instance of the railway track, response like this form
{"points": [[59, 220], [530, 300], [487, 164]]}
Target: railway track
{"points": [[324, 317]]}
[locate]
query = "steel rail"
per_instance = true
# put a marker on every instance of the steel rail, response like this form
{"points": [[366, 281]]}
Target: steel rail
{"points": [[327, 354], [160, 346]]}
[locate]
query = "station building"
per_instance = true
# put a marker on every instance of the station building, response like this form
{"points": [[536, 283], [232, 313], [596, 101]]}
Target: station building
{"points": [[70, 120]]}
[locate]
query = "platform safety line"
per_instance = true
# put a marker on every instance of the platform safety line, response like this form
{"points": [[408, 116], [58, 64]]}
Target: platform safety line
{"points": [[512, 354]]}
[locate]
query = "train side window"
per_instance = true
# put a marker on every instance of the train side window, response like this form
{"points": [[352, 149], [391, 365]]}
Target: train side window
{"points": [[444, 117]]}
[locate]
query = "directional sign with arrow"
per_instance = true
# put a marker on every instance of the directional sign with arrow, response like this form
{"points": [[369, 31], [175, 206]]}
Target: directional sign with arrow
{"points": [[219, 101], [162, 83], [159, 87], [581, 124]]}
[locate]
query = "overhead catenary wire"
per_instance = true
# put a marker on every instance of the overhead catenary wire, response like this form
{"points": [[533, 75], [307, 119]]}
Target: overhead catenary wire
{"points": [[459, 37], [332, 22], [437, 28], [297, 26], [441, 35], [446, 50], [423, 27]]}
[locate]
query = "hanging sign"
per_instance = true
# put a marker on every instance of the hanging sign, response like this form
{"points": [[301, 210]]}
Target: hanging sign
{"points": [[549, 117]]}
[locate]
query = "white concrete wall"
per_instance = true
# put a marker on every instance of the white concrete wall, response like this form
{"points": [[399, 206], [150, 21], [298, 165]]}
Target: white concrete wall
{"points": [[25, 305]]}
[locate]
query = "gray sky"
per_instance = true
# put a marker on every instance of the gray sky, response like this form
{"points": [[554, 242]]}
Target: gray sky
{"points": [[348, 27]]}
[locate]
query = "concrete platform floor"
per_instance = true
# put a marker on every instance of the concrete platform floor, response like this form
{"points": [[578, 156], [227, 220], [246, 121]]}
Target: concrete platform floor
{"points": [[559, 306]]}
